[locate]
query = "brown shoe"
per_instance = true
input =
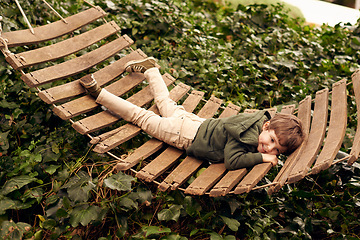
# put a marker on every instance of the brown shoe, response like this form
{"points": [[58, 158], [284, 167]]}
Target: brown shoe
{"points": [[140, 65], [91, 86]]}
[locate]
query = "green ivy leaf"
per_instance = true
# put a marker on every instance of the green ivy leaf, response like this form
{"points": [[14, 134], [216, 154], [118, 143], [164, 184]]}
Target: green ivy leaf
{"points": [[233, 224], [154, 230], [84, 215], [119, 181], [172, 213], [16, 183], [7, 203]]}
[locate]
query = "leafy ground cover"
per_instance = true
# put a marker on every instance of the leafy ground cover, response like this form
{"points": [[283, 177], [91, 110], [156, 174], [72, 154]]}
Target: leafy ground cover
{"points": [[54, 187]]}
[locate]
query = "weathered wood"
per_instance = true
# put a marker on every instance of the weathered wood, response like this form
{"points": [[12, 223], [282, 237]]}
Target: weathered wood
{"points": [[206, 180], [337, 128], [304, 114], [76, 65], [160, 164], [115, 140], [224, 186], [355, 150], [63, 48], [102, 76], [53, 30], [315, 139], [288, 109], [151, 146], [252, 178]]}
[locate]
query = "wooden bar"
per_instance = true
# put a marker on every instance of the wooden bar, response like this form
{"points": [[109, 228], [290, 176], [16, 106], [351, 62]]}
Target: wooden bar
{"points": [[252, 178], [304, 114], [224, 186], [53, 30], [355, 149], [76, 65], [207, 179], [153, 145], [315, 139], [102, 76], [63, 48], [337, 128]]}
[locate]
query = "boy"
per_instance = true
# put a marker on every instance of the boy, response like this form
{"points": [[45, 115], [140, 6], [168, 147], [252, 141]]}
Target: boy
{"points": [[239, 141]]}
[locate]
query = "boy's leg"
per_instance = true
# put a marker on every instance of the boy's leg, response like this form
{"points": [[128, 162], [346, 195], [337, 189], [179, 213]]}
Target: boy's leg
{"points": [[164, 129], [166, 106]]}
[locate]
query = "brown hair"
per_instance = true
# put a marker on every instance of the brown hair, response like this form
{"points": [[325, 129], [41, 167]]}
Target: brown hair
{"points": [[289, 130]]}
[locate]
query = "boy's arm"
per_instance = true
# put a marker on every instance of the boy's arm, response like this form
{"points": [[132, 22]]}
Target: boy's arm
{"points": [[236, 156], [270, 158]]}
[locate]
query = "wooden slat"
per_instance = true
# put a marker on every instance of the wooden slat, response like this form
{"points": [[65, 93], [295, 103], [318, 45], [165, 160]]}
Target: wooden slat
{"points": [[355, 149], [224, 186], [206, 180], [315, 139], [304, 114], [104, 118], [106, 145], [63, 48], [159, 165], [53, 30], [337, 128], [102, 76], [151, 146], [252, 178], [76, 65]]}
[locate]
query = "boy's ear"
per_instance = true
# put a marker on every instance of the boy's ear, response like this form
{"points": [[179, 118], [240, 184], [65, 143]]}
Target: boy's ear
{"points": [[266, 126]]}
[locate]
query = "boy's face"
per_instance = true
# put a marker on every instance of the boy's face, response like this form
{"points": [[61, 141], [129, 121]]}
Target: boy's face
{"points": [[268, 142]]}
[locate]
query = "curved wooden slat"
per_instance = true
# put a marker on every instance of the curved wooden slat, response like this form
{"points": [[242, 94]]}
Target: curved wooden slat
{"points": [[315, 139], [63, 48], [252, 178], [53, 30], [76, 65], [102, 76], [355, 149], [207, 179], [280, 179], [337, 128], [226, 183]]}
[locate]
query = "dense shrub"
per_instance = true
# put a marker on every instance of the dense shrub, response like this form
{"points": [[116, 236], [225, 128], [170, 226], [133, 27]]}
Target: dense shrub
{"points": [[54, 187]]}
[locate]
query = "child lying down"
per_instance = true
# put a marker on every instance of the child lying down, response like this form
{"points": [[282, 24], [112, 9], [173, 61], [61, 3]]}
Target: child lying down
{"points": [[239, 141]]}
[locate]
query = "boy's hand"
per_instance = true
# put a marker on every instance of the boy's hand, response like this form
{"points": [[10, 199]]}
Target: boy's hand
{"points": [[270, 158]]}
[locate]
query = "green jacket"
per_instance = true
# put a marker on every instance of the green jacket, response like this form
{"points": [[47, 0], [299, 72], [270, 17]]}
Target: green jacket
{"points": [[231, 140]]}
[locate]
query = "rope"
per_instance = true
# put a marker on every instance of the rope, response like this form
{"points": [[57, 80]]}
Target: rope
{"points": [[26, 19], [57, 14]]}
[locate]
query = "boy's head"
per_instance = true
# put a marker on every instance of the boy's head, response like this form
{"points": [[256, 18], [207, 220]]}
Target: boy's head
{"points": [[283, 133]]}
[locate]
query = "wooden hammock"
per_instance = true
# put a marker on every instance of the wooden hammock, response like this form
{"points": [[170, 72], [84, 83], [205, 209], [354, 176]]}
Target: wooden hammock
{"points": [[154, 161]]}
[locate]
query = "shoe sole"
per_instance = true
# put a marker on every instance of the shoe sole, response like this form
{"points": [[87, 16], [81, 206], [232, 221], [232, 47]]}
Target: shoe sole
{"points": [[137, 62]]}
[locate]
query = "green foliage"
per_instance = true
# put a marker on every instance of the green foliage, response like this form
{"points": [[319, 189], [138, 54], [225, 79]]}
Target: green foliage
{"points": [[54, 187]]}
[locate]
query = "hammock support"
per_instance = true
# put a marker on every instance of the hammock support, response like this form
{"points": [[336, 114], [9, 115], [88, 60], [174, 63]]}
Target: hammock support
{"points": [[170, 169]]}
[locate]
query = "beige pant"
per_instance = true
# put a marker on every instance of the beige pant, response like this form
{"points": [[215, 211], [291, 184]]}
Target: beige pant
{"points": [[175, 127]]}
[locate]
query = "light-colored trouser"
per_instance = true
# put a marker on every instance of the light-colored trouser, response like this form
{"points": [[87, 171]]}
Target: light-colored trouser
{"points": [[176, 126]]}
